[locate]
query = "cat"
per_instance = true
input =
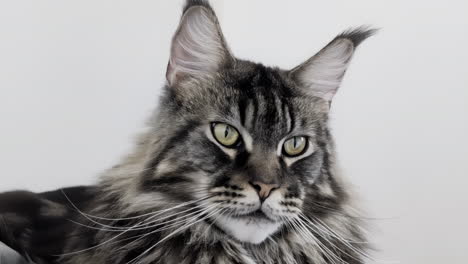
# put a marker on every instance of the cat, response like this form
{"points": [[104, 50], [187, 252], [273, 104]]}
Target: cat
{"points": [[237, 166]]}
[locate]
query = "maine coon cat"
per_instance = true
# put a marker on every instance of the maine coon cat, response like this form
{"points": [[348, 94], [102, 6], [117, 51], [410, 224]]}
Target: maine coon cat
{"points": [[237, 166]]}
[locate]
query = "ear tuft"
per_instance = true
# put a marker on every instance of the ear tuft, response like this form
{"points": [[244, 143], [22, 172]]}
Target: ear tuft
{"points": [[357, 35], [191, 3], [322, 74]]}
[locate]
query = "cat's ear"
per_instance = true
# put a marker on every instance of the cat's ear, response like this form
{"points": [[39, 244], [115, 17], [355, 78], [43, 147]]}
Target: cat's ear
{"points": [[321, 75], [198, 46]]}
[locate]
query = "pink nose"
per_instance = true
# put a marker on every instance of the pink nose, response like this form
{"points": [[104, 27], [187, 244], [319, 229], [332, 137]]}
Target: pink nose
{"points": [[263, 189]]}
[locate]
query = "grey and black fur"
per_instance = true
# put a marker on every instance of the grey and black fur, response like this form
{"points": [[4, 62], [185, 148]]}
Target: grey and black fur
{"points": [[181, 197]]}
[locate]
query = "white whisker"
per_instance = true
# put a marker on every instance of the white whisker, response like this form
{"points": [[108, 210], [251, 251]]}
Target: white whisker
{"points": [[172, 234], [109, 240], [348, 243], [320, 231], [331, 256], [129, 218]]}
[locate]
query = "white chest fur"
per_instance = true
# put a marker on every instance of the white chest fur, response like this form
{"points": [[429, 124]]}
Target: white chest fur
{"points": [[246, 230]]}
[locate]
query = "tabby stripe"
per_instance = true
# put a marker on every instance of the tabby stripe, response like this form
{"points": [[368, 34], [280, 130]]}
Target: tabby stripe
{"points": [[292, 117], [178, 137], [255, 111], [168, 179], [285, 114], [242, 105]]}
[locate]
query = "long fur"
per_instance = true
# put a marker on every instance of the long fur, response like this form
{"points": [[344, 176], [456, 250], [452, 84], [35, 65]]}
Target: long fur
{"points": [[181, 197]]}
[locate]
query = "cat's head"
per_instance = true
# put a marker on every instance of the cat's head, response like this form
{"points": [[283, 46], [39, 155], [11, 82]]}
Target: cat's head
{"points": [[249, 143]]}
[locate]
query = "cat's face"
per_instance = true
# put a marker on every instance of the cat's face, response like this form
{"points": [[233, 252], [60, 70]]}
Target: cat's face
{"points": [[249, 143], [254, 145], [269, 142]]}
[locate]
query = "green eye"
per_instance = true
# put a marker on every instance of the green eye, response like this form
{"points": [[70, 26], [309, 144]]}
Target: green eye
{"points": [[225, 134], [295, 146]]}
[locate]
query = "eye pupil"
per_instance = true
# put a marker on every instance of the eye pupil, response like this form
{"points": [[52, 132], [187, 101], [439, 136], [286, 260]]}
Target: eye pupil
{"points": [[295, 146], [225, 134]]}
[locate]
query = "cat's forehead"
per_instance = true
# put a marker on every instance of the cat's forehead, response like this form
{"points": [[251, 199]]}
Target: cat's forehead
{"points": [[267, 104], [254, 78]]}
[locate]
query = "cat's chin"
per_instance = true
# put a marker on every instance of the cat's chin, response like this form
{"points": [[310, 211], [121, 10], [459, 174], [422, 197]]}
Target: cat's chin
{"points": [[248, 229]]}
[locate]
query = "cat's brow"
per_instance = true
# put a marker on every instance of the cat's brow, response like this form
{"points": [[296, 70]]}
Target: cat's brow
{"points": [[248, 140], [248, 113]]}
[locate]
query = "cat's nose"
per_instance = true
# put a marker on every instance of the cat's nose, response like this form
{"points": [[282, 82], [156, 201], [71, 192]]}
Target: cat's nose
{"points": [[263, 189]]}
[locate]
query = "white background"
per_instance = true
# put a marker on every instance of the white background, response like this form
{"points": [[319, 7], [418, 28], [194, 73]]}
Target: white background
{"points": [[78, 79]]}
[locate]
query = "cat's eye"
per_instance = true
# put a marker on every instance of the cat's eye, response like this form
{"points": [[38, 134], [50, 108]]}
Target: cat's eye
{"points": [[225, 134], [295, 146]]}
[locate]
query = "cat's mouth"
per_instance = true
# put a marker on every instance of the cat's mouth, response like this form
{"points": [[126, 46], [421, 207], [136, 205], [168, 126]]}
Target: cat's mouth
{"points": [[258, 215]]}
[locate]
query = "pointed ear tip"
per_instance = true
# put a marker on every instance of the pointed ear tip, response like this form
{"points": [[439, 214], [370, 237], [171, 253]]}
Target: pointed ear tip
{"points": [[198, 15], [357, 35]]}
